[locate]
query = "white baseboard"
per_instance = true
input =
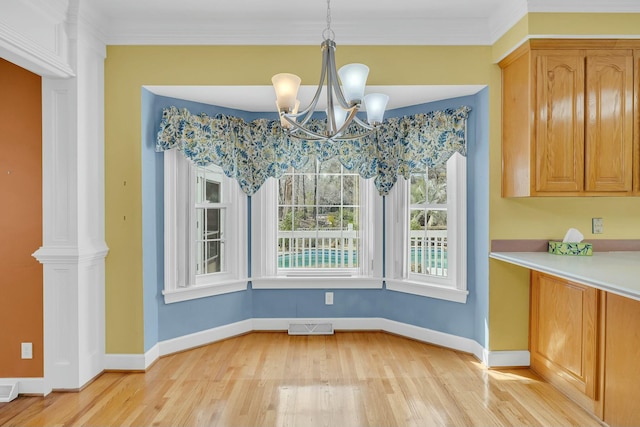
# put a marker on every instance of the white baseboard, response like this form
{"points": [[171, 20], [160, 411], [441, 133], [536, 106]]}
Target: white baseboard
{"points": [[430, 336], [497, 359], [125, 362], [208, 336], [28, 385], [339, 324], [490, 359]]}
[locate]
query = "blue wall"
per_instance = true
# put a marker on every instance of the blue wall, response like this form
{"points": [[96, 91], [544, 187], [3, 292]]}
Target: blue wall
{"points": [[478, 218], [166, 321]]}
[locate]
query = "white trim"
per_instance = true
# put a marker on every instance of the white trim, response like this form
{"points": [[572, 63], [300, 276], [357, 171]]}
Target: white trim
{"points": [[505, 17], [151, 356], [31, 56], [585, 6], [339, 324], [131, 362], [125, 362], [205, 337], [203, 291], [300, 282], [497, 359], [398, 277], [180, 280], [28, 385], [264, 234], [427, 290], [69, 254], [429, 336]]}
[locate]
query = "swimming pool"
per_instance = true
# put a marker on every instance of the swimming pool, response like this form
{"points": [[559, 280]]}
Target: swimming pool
{"points": [[331, 258]]}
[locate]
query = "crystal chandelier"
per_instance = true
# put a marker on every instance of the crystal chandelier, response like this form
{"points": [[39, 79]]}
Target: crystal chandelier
{"points": [[343, 102]]}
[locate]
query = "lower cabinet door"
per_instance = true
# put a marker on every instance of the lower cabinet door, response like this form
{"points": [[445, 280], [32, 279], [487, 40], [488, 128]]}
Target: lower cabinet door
{"points": [[622, 361], [564, 333]]}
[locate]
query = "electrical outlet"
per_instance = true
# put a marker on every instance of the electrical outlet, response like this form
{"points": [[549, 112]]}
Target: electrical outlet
{"points": [[328, 298], [597, 226], [27, 350]]}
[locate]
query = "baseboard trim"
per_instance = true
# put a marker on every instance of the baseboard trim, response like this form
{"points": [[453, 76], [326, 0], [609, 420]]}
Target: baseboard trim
{"points": [[339, 324], [205, 337], [125, 362], [430, 336], [34, 386], [506, 359], [491, 359]]}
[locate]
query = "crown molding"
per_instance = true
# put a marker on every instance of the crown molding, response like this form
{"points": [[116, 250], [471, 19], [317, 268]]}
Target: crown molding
{"points": [[506, 17], [56, 10], [405, 31], [584, 6]]}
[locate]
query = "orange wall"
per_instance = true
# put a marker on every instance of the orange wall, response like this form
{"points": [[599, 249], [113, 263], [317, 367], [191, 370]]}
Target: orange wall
{"points": [[20, 220]]}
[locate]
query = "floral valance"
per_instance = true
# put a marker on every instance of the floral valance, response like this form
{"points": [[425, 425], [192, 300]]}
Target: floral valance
{"points": [[253, 151]]}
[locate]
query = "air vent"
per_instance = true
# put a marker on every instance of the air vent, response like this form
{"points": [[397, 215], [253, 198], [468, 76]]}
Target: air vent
{"points": [[310, 328], [8, 392]]}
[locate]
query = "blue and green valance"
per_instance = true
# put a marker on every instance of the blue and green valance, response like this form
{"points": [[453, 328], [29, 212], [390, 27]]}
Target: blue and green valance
{"points": [[253, 151]]}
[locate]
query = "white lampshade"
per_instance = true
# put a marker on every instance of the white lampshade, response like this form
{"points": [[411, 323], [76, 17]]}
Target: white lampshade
{"points": [[375, 103], [340, 115], [353, 78], [286, 86]]}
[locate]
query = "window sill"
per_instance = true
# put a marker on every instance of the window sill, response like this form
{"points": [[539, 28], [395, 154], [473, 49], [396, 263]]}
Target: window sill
{"points": [[203, 291], [328, 282], [428, 290]]}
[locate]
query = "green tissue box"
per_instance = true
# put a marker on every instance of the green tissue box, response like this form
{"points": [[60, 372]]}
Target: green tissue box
{"points": [[567, 248]]}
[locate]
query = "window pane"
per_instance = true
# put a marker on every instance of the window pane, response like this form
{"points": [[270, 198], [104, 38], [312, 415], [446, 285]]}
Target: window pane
{"points": [[209, 184], [350, 218], [210, 240], [285, 190], [350, 189], [437, 184], [329, 190], [318, 230], [428, 242], [418, 189]]}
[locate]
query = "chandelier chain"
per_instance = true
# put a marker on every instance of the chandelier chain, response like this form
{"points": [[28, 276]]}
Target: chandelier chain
{"points": [[328, 33]]}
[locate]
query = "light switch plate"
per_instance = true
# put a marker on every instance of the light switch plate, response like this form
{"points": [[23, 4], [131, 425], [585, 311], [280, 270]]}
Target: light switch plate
{"points": [[328, 298], [597, 225], [27, 350]]}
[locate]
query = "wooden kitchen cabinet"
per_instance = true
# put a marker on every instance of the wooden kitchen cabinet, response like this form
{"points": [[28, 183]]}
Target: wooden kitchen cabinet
{"points": [[586, 342], [568, 119], [564, 336], [621, 361]]}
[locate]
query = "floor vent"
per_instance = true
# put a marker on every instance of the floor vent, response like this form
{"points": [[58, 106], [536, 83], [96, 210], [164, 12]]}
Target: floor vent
{"points": [[8, 392], [310, 328]]}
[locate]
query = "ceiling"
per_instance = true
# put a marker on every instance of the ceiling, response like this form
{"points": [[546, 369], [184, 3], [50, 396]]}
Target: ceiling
{"points": [[301, 22], [375, 22]]}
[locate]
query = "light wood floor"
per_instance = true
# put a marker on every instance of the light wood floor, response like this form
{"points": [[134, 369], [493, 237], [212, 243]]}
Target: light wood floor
{"points": [[273, 379]]}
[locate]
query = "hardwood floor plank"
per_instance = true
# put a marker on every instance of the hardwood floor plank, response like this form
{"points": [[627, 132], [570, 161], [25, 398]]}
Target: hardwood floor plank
{"points": [[273, 379]]}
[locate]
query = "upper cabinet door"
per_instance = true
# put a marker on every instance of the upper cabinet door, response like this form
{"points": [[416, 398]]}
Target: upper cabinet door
{"points": [[559, 110], [609, 126]]}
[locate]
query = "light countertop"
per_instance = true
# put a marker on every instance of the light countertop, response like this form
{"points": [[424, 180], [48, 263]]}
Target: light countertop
{"points": [[617, 272]]}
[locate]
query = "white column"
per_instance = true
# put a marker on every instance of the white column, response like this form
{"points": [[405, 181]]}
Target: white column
{"points": [[74, 249]]}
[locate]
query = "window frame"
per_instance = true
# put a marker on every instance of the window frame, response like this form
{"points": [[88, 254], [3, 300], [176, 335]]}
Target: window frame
{"points": [[181, 282], [398, 277], [264, 235]]}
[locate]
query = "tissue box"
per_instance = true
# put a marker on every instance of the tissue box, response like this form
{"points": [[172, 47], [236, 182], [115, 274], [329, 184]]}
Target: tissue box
{"points": [[568, 248]]}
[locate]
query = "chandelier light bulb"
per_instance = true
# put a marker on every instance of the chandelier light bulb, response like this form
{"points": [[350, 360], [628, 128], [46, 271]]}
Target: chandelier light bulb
{"points": [[375, 103], [353, 78], [286, 86]]}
